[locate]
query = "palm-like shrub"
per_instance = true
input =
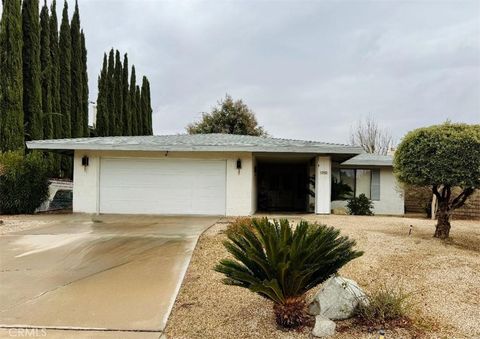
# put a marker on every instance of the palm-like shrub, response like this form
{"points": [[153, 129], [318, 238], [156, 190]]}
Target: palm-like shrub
{"points": [[281, 263]]}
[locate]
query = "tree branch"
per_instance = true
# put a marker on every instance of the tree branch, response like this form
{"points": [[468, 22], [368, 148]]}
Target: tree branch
{"points": [[459, 201], [435, 191]]}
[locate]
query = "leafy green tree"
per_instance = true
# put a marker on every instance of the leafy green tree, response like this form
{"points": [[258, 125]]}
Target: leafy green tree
{"points": [[229, 117], [76, 77], [133, 102], [442, 157], [11, 79], [65, 58], [32, 90], [102, 119], [118, 94], [127, 117], [110, 85], [84, 85], [46, 72], [282, 263], [55, 73]]}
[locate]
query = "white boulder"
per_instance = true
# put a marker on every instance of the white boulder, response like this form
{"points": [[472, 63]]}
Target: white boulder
{"points": [[338, 299], [323, 327]]}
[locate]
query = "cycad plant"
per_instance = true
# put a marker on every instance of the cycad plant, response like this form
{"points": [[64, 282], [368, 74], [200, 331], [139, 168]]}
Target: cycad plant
{"points": [[282, 263]]}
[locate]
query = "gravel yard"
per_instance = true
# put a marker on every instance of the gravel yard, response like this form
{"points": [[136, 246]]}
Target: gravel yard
{"points": [[444, 277]]}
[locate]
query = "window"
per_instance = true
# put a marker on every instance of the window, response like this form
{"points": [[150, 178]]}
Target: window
{"points": [[347, 183]]}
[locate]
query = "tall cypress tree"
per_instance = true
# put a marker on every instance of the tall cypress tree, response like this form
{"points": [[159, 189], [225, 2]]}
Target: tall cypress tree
{"points": [[76, 77], [102, 120], [138, 111], [65, 58], [146, 110], [55, 86], [46, 72], [32, 90], [55, 73], [11, 79], [127, 118], [84, 86], [133, 103], [149, 110], [118, 94], [110, 85]]}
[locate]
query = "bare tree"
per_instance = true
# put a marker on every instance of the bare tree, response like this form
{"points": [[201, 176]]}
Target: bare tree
{"points": [[373, 139]]}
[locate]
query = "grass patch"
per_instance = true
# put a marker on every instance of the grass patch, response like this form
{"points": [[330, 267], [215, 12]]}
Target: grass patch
{"points": [[386, 308], [236, 225]]}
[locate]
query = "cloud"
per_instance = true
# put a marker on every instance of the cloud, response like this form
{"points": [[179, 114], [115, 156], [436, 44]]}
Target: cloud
{"points": [[309, 69]]}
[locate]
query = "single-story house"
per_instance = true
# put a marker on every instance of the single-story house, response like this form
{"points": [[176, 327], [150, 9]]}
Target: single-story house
{"points": [[222, 174]]}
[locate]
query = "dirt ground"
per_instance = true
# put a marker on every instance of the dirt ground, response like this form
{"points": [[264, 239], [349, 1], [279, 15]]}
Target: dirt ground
{"points": [[444, 277]]}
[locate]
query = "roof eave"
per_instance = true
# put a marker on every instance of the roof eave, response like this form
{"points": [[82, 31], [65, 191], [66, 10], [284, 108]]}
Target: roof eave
{"points": [[98, 147]]}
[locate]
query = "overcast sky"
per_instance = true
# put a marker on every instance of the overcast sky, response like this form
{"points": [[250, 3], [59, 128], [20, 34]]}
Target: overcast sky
{"points": [[308, 69]]}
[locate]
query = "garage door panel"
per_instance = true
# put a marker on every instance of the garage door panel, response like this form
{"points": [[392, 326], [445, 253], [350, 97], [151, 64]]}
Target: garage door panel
{"points": [[162, 186]]}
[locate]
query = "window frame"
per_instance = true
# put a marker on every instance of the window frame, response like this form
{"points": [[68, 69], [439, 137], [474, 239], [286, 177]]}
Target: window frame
{"points": [[355, 180]]}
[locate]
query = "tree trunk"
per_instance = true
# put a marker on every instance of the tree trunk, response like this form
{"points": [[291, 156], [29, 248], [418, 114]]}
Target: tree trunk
{"points": [[292, 314], [442, 229]]}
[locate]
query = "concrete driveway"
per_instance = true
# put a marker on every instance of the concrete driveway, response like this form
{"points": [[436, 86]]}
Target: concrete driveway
{"points": [[100, 273]]}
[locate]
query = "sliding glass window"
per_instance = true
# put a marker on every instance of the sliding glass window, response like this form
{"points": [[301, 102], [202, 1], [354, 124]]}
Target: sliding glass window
{"points": [[350, 182]]}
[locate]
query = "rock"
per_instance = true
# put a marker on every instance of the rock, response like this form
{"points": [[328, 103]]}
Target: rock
{"points": [[337, 299], [323, 327]]}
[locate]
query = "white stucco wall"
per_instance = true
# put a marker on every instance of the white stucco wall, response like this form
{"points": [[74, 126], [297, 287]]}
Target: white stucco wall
{"points": [[85, 183], [239, 184], [391, 196], [323, 182]]}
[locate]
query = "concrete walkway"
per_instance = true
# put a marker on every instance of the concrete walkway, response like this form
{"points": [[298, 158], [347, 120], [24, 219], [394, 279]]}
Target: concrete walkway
{"points": [[100, 274]]}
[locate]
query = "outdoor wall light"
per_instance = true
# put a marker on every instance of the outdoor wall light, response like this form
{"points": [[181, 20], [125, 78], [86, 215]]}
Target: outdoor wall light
{"points": [[84, 161], [239, 165]]}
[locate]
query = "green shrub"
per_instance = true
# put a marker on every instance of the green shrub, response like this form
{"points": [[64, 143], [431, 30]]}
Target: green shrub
{"points": [[360, 205], [384, 305], [23, 182], [281, 263]]}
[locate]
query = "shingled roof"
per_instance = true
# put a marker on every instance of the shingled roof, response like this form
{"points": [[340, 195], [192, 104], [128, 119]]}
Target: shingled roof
{"points": [[366, 159], [194, 143]]}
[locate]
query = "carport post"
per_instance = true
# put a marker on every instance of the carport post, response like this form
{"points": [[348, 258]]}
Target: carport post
{"points": [[323, 182]]}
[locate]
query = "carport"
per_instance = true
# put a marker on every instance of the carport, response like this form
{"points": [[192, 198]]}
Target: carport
{"points": [[285, 183]]}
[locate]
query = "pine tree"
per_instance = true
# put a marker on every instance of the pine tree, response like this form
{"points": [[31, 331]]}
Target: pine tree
{"points": [[138, 111], [118, 94], [32, 90], [11, 79], [46, 72], [102, 120], [84, 86], [65, 58], [133, 102], [55, 73], [109, 89], [146, 110], [76, 78], [127, 117]]}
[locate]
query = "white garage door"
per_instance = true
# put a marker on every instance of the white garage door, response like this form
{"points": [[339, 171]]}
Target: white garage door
{"points": [[162, 186]]}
